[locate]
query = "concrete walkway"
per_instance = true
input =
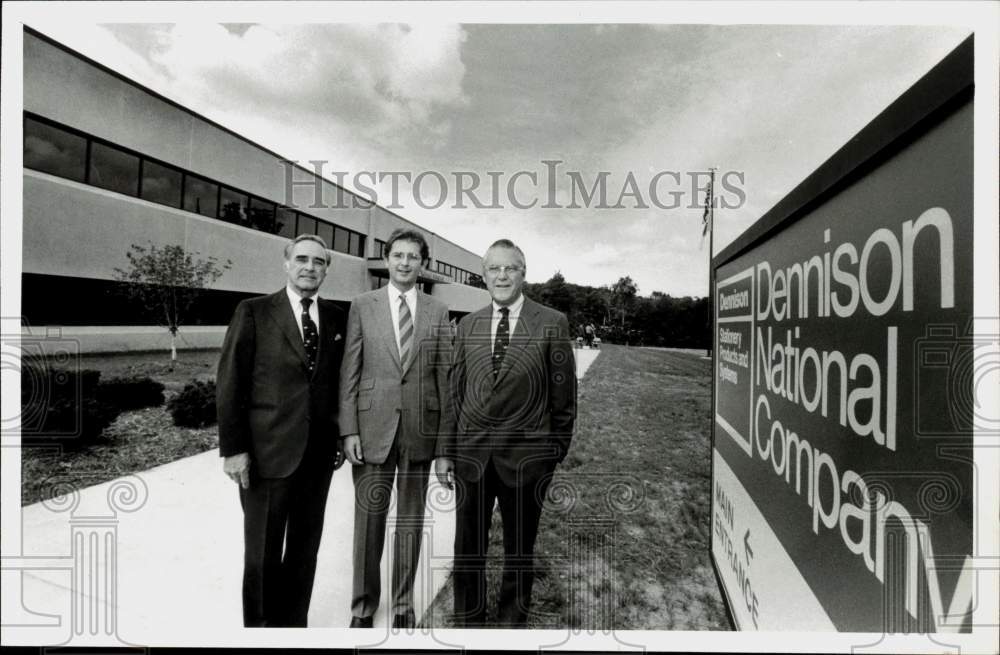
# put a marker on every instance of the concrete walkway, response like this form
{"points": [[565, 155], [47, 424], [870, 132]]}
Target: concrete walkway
{"points": [[156, 558], [584, 358], [176, 559]]}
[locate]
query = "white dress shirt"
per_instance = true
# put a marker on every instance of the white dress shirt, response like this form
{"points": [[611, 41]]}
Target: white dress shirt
{"points": [[296, 302], [515, 311], [411, 302]]}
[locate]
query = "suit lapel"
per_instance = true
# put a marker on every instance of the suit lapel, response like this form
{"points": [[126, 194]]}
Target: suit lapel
{"points": [[523, 330], [327, 332], [479, 344], [281, 313], [383, 318]]}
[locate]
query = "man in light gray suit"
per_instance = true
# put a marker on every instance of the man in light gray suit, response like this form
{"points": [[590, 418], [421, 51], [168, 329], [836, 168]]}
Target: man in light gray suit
{"points": [[394, 404]]}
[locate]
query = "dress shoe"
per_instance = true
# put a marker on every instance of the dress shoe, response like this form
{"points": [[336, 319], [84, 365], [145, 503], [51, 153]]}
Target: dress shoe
{"points": [[361, 621], [405, 621]]}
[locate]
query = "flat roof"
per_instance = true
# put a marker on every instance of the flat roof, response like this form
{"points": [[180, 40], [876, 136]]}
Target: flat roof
{"points": [[159, 96]]}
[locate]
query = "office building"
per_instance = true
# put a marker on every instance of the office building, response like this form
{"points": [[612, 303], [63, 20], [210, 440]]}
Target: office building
{"points": [[109, 163]]}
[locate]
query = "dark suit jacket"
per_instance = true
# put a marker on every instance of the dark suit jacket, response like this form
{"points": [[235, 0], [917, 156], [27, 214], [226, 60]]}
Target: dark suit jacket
{"points": [[268, 403], [379, 398], [524, 417]]}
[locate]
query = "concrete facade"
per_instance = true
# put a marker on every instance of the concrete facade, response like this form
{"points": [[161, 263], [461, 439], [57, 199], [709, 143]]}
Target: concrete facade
{"points": [[81, 231]]}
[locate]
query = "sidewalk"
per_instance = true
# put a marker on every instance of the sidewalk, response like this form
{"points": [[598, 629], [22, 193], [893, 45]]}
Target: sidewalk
{"points": [[584, 358], [175, 562], [156, 558]]}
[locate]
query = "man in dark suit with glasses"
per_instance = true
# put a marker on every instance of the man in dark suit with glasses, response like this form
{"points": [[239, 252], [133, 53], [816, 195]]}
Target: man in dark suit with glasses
{"points": [[513, 386]]}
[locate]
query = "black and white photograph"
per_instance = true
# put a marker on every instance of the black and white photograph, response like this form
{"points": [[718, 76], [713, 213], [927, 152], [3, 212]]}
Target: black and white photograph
{"points": [[498, 325]]}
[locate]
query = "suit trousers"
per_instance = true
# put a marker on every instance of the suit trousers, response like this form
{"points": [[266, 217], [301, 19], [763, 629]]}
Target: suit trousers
{"points": [[520, 511], [373, 489], [282, 526]]}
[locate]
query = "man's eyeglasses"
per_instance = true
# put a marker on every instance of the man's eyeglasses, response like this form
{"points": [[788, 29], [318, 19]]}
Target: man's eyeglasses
{"points": [[409, 256], [498, 270]]}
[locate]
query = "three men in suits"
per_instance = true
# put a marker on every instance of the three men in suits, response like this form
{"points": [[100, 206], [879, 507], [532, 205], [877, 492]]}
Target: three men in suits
{"points": [[394, 404], [513, 387], [277, 400]]}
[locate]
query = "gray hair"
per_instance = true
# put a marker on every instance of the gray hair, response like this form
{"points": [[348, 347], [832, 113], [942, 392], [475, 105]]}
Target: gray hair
{"points": [[509, 245], [307, 237]]}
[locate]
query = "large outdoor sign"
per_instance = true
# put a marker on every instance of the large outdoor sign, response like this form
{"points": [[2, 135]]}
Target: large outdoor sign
{"points": [[842, 441]]}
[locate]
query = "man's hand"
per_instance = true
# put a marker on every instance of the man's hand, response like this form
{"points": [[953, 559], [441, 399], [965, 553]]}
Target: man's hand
{"points": [[444, 469], [237, 467], [352, 449], [338, 459]]}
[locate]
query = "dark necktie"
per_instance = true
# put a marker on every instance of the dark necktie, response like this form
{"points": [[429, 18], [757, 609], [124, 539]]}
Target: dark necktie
{"points": [[310, 337], [503, 338], [405, 332]]}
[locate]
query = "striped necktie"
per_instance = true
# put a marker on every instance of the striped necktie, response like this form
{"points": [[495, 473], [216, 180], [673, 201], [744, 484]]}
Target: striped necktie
{"points": [[405, 332]]}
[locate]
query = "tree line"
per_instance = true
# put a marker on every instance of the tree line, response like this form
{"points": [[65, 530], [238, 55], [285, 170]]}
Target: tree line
{"points": [[622, 316], [167, 280]]}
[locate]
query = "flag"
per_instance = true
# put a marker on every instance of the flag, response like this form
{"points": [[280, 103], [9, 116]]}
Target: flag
{"points": [[706, 217]]}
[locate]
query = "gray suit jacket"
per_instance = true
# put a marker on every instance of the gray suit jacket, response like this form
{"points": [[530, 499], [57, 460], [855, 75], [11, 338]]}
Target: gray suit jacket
{"points": [[378, 397]]}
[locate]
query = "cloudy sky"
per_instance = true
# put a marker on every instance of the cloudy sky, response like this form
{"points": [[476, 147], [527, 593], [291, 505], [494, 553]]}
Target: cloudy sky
{"points": [[767, 102]]}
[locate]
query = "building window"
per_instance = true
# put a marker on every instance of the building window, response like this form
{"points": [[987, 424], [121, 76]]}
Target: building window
{"points": [[113, 169], [325, 230], [201, 196], [379, 249], [307, 224], [161, 184], [81, 157], [286, 222], [261, 215], [51, 150], [341, 240], [233, 206]]}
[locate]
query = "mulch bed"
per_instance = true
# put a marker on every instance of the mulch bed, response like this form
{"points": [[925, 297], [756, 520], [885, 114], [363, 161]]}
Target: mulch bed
{"points": [[137, 441]]}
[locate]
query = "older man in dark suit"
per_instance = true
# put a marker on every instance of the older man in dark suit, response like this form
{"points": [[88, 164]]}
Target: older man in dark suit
{"points": [[513, 386], [277, 398], [394, 393]]}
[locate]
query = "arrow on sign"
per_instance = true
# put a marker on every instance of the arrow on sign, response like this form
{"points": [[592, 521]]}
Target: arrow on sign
{"points": [[746, 546]]}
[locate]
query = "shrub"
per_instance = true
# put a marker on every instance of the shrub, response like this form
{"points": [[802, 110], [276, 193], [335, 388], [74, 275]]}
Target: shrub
{"points": [[132, 392], [194, 407], [63, 406]]}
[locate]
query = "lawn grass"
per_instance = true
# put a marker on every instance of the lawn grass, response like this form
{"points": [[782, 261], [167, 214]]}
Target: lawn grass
{"points": [[623, 542], [624, 538], [136, 441]]}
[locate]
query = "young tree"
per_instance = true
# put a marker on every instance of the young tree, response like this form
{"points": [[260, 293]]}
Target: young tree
{"points": [[623, 294], [166, 281]]}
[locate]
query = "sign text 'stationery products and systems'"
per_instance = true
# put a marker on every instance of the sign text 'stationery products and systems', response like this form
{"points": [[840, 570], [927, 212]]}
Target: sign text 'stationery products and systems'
{"points": [[842, 441]]}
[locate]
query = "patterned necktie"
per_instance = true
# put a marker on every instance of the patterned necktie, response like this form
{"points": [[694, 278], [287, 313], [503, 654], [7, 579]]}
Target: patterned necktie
{"points": [[503, 338], [405, 332], [310, 337]]}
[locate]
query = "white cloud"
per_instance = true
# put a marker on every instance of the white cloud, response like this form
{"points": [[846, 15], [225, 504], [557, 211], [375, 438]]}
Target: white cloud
{"points": [[390, 97], [386, 83]]}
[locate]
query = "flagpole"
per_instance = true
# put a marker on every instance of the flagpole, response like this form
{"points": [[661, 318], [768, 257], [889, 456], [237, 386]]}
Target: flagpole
{"points": [[711, 242]]}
